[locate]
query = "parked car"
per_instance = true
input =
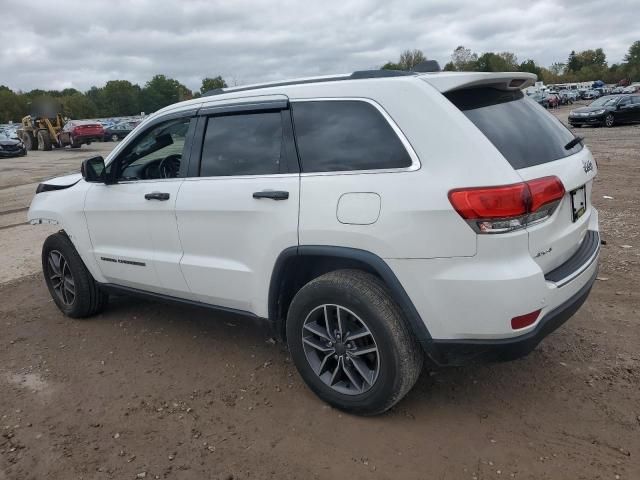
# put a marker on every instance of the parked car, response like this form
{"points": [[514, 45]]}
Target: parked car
{"points": [[608, 111], [10, 147], [118, 132], [75, 133], [590, 94], [566, 97], [617, 90], [545, 99], [631, 89], [345, 216]]}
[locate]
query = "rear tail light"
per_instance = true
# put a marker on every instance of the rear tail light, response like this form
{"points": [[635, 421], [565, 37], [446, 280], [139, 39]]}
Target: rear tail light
{"points": [[508, 207]]}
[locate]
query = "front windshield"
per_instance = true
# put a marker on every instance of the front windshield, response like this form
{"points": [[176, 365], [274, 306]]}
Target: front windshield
{"points": [[602, 101]]}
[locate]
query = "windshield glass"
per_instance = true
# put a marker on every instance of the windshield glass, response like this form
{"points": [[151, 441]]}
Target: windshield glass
{"points": [[520, 129], [602, 101]]}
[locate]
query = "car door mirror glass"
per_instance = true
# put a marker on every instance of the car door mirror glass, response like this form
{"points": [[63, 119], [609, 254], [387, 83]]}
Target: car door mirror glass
{"points": [[93, 170]]}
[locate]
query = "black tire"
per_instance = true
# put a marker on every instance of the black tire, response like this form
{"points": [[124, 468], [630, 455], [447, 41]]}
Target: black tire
{"points": [[609, 120], [29, 141], [115, 138], [73, 144], [399, 357], [44, 141], [88, 298]]}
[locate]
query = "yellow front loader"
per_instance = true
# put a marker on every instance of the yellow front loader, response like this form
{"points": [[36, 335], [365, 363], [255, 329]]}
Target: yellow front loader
{"points": [[39, 132]]}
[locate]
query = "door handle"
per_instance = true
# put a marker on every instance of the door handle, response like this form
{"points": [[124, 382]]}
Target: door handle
{"points": [[156, 196], [272, 194]]}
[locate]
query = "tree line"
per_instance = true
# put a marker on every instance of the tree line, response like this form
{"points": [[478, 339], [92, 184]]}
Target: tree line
{"points": [[587, 65], [116, 98], [122, 98]]}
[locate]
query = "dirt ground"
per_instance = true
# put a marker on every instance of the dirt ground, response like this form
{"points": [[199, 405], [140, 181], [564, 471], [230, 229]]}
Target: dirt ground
{"points": [[149, 390]]}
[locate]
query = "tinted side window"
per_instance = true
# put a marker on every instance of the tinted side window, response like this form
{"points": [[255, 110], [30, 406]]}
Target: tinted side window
{"points": [[345, 135], [635, 99], [245, 144]]}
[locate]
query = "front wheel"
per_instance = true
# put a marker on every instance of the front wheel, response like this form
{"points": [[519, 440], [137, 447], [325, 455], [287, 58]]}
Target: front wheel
{"points": [[70, 284], [609, 121], [350, 343]]}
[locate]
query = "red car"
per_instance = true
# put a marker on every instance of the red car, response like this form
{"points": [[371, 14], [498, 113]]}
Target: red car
{"points": [[77, 132]]}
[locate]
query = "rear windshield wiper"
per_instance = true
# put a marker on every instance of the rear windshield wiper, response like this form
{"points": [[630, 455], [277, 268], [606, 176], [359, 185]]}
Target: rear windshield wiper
{"points": [[573, 143]]}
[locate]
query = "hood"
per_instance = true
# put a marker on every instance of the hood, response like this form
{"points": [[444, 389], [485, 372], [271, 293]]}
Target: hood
{"points": [[9, 142], [59, 183], [64, 181]]}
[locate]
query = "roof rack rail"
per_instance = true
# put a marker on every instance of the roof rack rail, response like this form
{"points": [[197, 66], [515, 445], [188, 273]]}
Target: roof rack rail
{"points": [[379, 74], [357, 75]]}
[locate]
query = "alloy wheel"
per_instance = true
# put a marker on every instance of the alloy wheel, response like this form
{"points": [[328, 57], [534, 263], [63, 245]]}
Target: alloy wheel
{"points": [[341, 349], [61, 278], [609, 120]]}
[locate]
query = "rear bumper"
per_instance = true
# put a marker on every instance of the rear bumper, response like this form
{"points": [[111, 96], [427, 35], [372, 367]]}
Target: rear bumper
{"points": [[459, 352], [88, 138]]}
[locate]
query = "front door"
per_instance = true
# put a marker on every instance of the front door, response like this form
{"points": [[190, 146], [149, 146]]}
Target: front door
{"points": [[240, 210], [132, 222]]}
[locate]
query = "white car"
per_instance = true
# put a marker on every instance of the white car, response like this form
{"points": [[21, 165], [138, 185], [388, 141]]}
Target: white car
{"points": [[370, 218]]}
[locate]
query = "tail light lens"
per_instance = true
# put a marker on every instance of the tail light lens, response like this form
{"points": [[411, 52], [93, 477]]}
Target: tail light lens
{"points": [[508, 207]]}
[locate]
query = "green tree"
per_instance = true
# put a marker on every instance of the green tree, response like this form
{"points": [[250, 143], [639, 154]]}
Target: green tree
{"points": [[119, 97], [462, 59], [573, 62], [214, 83], [531, 67], [78, 106], [12, 106], [497, 62], [558, 68], [408, 60], [161, 91]]}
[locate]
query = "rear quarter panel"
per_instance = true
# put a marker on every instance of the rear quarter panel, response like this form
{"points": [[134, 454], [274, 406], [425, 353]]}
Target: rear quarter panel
{"points": [[416, 218]]}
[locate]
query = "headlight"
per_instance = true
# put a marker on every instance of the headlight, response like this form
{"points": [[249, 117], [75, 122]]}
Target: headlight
{"points": [[572, 113], [597, 112]]}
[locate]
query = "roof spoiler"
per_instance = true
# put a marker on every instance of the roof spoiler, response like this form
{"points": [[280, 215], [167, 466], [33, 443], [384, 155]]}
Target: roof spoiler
{"points": [[498, 80]]}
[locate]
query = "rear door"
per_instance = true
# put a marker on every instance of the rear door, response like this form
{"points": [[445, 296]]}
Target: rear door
{"points": [[239, 209], [534, 142]]}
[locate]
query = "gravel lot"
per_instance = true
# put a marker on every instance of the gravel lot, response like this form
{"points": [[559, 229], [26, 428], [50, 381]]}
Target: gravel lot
{"points": [[149, 390]]}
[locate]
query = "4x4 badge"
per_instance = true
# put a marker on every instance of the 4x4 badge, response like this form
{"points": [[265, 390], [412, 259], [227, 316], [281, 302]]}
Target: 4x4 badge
{"points": [[587, 165]]}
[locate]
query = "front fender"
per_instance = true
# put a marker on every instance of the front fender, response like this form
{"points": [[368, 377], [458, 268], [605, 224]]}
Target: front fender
{"points": [[65, 207]]}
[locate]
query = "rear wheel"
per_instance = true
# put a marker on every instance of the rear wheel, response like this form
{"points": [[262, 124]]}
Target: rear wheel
{"points": [[609, 120], [350, 343], [44, 141], [70, 284], [114, 138]]}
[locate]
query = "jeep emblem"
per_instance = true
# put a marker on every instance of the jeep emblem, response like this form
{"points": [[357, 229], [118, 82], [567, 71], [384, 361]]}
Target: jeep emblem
{"points": [[587, 165]]}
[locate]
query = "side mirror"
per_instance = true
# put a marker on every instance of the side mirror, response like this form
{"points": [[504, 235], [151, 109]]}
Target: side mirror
{"points": [[93, 170]]}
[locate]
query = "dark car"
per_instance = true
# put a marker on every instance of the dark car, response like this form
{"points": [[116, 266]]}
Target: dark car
{"points": [[10, 147], [118, 131], [77, 132], [607, 111]]}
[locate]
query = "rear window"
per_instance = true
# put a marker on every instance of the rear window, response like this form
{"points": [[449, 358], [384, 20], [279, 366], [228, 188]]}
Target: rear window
{"points": [[520, 129]]}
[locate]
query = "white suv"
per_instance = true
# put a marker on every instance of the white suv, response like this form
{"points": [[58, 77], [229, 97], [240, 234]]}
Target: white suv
{"points": [[368, 217]]}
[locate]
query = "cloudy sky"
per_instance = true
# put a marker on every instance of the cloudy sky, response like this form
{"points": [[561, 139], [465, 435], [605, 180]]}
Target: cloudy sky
{"points": [[80, 43]]}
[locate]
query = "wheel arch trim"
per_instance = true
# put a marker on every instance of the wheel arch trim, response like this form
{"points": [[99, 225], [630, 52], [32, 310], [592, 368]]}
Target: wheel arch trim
{"points": [[373, 261]]}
